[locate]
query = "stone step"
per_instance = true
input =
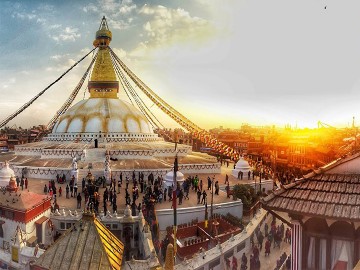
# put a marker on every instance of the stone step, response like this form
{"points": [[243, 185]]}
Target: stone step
{"points": [[95, 155]]}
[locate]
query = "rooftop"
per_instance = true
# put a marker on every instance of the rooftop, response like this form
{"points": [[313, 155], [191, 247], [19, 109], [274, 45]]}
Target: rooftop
{"points": [[87, 245]]}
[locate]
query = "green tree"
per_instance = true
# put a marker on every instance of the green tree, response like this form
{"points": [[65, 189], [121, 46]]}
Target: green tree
{"points": [[246, 194]]}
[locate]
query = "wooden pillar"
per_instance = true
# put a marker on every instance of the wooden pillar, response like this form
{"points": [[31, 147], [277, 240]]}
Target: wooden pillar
{"points": [[296, 245]]}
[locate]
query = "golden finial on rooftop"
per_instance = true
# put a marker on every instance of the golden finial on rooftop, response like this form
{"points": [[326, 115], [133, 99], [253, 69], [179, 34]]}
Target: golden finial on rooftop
{"points": [[169, 260]]}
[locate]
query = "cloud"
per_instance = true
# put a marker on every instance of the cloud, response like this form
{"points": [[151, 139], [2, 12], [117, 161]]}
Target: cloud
{"points": [[67, 34], [118, 13], [30, 16], [165, 27], [7, 83]]}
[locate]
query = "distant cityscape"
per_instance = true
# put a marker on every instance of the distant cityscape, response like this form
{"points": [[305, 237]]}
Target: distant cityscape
{"points": [[300, 150]]}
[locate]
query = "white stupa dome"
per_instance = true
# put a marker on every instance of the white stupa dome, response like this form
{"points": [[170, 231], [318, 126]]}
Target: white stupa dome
{"points": [[5, 173], [169, 178], [241, 166], [103, 114]]}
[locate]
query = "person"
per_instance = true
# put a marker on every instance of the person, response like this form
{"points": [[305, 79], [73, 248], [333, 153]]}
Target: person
{"points": [[243, 262], [234, 263], [267, 247], [75, 190], [198, 196], [228, 190], [139, 207], [266, 227], [45, 189], [209, 183], [165, 192], [119, 186], [26, 183], [78, 200], [204, 195], [181, 196], [60, 191], [226, 179], [217, 188], [17, 181], [22, 183], [260, 238], [67, 189], [82, 185]]}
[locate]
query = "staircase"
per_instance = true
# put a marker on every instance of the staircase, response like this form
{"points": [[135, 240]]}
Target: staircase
{"points": [[95, 155]]}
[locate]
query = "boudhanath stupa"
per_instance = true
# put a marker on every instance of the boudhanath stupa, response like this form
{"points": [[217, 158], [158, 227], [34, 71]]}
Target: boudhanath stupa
{"points": [[104, 134]]}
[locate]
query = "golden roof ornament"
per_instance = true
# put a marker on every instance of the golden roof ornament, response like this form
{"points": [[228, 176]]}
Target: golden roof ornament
{"points": [[103, 82]]}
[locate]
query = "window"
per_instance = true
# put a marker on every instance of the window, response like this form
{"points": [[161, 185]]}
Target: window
{"points": [[62, 225], [68, 225], [115, 226]]}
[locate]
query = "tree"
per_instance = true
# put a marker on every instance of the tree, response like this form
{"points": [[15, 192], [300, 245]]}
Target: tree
{"points": [[246, 193]]}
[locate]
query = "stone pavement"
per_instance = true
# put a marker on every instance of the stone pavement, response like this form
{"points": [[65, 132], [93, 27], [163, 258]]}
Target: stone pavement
{"points": [[269, 262], [37, 186]]}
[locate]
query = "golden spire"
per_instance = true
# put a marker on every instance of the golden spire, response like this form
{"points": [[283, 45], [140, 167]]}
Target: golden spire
{"points": [[169, 260], [103, 83]]}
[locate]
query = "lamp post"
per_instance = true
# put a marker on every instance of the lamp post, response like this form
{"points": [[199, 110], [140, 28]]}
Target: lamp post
{"points": [[174, 194]]}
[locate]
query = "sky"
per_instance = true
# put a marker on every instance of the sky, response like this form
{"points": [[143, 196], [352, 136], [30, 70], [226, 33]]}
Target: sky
{"points": [[217, 62]]}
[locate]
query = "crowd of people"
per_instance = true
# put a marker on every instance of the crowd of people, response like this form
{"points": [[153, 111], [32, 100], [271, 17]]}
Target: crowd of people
{"points": [[272, 235]]}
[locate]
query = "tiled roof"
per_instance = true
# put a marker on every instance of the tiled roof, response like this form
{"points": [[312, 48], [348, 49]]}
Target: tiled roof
{"points": [[329, 195]]}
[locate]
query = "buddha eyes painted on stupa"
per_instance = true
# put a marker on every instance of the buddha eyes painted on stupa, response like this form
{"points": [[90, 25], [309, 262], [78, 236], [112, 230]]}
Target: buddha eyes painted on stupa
{"points": [[102, 90]]}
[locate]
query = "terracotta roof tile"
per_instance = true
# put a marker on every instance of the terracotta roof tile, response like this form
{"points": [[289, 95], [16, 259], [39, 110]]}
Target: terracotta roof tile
{"points": [[356, 188], [350, 188], [328, 197], [355, 212], [284, 203], [305, 195], [277, 202], [327, 186], [348, 178], [306, 206], [352, 199], [291, 204], [342, 187], [334, 187], [291, 193], [319, 185], [329, 210], [336, 198], [355, 180], [321, 196], [299, 206], [322, 208], [345, 211], [313, 195], [338, 208], [314, 207], [312, 184], [344, 198]]}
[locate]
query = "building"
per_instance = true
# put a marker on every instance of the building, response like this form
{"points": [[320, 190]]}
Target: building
{"points": [[88, 244], [324, 210]]}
